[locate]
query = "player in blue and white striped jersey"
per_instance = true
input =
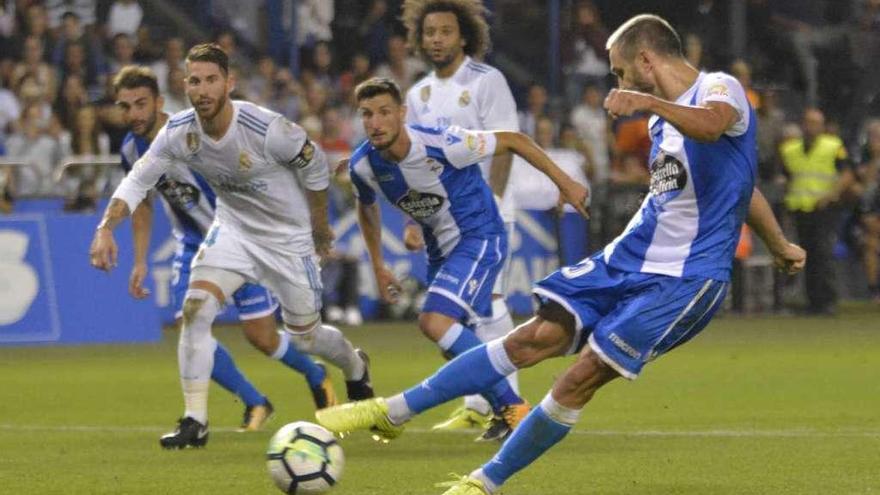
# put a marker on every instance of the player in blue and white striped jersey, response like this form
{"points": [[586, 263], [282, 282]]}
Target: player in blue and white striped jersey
{"points": [[433, 176], [653, 289], [453, 36]]}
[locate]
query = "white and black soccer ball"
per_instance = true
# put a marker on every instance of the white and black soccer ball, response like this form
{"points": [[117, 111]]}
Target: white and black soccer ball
{"points": [[304, 459]]}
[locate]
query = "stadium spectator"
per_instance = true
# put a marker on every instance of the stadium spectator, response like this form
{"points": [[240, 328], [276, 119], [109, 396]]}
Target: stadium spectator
{"points": [[741, 70], [693, 50], [536, 108], [72, 98], [819, 173], [591, 123], [123, 53], [73, 33], [583, 52], [32, 64], [401, 67], [10, 110], [869, 208], [35, 24], [84, 10], [171, 57], [358, 72], [806, 28], [287, 95], [124, 18], [84, 181], [33, 144], [374, 31], [146, 50], [313, 22], [175, 93], [260, 86]]}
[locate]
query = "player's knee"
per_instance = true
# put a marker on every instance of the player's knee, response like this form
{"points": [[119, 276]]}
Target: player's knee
{"points": [[532, 342], [191, 307], [432, 327], [262, 335], [586, 376]]}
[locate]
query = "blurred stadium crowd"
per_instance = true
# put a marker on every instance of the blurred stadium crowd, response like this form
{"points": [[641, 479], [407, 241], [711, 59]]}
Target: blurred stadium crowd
{"points": [[810, 67]]}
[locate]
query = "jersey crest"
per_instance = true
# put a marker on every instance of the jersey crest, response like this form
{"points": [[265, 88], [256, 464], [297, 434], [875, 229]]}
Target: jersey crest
{"points": [[244, 161], [464, 99], [193, 142], [425, 93]]}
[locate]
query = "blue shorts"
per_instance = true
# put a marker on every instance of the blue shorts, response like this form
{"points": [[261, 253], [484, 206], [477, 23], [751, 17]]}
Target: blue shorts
{"points": [[630, 318], [251, 300], [460, 285]]}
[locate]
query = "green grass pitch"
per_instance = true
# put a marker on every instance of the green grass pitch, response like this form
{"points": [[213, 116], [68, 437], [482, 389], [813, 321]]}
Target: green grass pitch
{"points": [[752, 406]]}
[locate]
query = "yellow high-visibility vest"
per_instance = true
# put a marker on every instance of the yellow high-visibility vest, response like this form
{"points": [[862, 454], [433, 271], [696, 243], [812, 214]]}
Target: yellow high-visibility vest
{"points": [[813, 173]]}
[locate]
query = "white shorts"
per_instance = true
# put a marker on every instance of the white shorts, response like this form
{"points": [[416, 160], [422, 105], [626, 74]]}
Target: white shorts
{"points": [[294, 279], [500, 286]]}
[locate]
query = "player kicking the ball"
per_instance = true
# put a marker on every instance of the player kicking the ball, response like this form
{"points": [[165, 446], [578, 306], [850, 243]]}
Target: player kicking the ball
{"points": [[650, 290]]}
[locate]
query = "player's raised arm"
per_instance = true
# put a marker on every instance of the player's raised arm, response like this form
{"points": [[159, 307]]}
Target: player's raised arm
{"points": [[498, 111], [468, 147]]}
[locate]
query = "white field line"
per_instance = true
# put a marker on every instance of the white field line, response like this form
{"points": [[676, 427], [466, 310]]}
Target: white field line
{"points": [[794, 433]]}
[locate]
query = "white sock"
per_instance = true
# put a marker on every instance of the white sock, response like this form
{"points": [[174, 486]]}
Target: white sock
{"points": [[329, 343], [398, 410], [559, 413], [499, 325], [195, 352], [490, 486], [283, 345]]}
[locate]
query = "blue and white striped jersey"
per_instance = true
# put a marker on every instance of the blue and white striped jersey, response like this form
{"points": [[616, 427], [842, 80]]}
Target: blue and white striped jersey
{"points": [[186, 196], [689, 223], [475, 97], [438, 184]]}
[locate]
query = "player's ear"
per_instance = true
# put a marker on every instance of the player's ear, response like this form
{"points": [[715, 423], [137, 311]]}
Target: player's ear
{"points": [[230, 82], [403, 112], [160, 103]]}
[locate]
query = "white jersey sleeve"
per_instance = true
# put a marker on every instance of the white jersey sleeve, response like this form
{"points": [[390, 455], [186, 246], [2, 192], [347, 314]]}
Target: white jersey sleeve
{"points": [[497, 108], [288, 144], [146, 171], [464, 147], [718, 86], [411, 106]]}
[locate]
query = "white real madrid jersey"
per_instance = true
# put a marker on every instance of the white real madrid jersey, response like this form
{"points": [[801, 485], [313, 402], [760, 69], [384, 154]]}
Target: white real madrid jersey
{"points": [[476, 97], [260, 170]]}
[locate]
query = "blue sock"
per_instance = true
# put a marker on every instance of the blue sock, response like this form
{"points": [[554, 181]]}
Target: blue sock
{"points": [[534, 436], [293, 358], [469, 373], [228, 376]]}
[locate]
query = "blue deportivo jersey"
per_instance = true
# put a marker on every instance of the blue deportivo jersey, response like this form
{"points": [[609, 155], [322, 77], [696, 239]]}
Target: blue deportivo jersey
{"points": [[187, 198], [438, 184], [690, 221]]}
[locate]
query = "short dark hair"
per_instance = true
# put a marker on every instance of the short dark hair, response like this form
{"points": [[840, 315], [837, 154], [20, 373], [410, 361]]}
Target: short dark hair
{"points": [[471, 16], [646, 30], [136, 76], [378, 86], [209, 52]]}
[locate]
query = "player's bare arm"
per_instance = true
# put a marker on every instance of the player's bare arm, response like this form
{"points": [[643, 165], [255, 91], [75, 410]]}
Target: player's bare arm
{"points": [[322, 234], [103, 252], [519, 143], [704, 123], [141, 226], [787, 257], [499, 173], [370, 221]]}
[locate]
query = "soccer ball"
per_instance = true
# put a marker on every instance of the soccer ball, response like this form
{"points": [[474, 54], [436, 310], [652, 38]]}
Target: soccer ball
{"points": [[304, 459]]}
